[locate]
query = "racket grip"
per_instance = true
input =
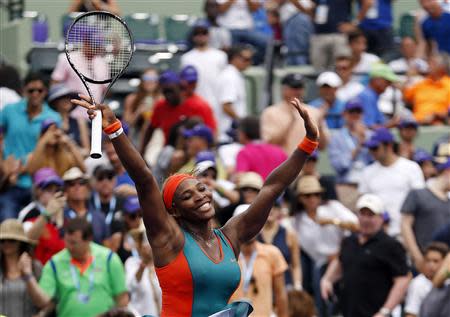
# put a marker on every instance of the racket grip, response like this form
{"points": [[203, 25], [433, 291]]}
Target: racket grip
{"points": [[96, 136]]}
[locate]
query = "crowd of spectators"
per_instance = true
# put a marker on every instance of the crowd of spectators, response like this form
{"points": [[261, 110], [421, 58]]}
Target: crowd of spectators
{"points": [[371, 239]]}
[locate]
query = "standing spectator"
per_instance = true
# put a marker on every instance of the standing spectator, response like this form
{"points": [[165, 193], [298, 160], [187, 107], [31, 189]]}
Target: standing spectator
{"points": [[408, 129], [390, 177], [231, 94], [349, 88], [262, 281], [249, 157], [21, 125], [92, 5], [409, 63], [361, 60], [381, 77], [19, 291], [84, 279], [430, 97], [219, 37], [328, 103], [236, 16], [10, 85], [76, 188], [77, 129], [327, 40], [208, 61], [421, 285], [279, 123], [436, 27], [424, 211], [346, 150], [371, 264], [375, 20]]}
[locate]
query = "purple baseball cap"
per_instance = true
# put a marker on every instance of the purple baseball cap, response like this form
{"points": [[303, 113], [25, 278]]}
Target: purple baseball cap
{"points": [[47, 123], [408, 123], [381, 135], [354, 104], [131, 205], [421, 156], [169, 77], [203, 156], [443, 166], [189, 74], [200, 130], [46, 176]]}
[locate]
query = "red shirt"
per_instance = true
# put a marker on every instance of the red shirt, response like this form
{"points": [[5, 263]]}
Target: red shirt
{"points": [[49, 243], [165, 116]]}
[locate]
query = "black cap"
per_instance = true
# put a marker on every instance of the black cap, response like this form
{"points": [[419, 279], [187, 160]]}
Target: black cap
{"points": [[293, 81], [104, 170]]}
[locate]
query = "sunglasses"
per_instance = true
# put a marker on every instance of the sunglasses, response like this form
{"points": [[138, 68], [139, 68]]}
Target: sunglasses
{"points": [[75, 182], [373, 148], [253, 283], [200, 32], [103, 177], [311, 195], [33, 90], [355, 111], [249, 189], [246, 59], [150, 78], [342, 67], [134, 216], [8, 241], [53, 188]]}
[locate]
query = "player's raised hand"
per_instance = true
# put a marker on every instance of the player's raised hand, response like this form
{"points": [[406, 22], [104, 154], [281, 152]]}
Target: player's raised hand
{"points": [[312, 132], [108, 116]]}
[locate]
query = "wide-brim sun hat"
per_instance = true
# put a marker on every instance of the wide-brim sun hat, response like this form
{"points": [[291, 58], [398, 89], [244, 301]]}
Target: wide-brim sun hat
{"points": [[12, 229], [309, 184]]}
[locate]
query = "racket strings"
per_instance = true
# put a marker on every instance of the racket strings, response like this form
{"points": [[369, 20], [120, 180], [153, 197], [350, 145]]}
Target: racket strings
{"points": [[99, 46]]}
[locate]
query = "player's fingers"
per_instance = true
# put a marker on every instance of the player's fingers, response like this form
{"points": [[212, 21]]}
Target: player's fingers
{"points": [[82, 103], [85, 97]]}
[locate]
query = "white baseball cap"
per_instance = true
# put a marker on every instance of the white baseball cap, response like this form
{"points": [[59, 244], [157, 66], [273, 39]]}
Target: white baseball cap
{"points": [[372, 202], [240, 209], [329, 78]]}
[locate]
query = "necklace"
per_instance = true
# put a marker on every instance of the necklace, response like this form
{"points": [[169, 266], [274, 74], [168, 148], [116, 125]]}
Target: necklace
{"points": [[209, 241]]}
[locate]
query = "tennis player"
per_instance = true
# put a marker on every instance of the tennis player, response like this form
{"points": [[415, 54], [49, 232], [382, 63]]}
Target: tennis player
{"points": [[197, 265]]}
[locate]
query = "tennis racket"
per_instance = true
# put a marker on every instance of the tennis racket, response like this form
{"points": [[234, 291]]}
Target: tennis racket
{"points": [[99, 47]]}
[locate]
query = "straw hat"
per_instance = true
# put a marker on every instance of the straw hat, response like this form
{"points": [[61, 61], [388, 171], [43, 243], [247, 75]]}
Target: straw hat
{"points": [[250, 180], [308, 184], [12, 229]]}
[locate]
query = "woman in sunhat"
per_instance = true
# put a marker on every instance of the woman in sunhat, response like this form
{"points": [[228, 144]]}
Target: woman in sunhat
{"points": [[20, 295]]}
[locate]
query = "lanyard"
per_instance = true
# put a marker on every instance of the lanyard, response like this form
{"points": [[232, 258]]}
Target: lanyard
{"points": [[247, 269], [73, 214], [112, 207], [83, 297]]}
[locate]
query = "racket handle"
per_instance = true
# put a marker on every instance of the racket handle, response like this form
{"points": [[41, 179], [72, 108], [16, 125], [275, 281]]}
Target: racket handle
{"points": [[96, 136]]}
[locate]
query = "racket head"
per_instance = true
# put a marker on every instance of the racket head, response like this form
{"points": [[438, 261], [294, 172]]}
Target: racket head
{"points": [[99, 46]]}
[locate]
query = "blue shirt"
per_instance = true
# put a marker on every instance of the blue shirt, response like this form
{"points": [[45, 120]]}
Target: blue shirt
{"points": [[124, 179], [438, 30], [96, 219], [339, 11], [372, 115], [383, 19], [21, 134], [334, 115]]}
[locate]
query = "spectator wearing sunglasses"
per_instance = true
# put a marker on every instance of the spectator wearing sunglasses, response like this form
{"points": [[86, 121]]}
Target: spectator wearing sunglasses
{"points": [[21, 124], [77, 191]]}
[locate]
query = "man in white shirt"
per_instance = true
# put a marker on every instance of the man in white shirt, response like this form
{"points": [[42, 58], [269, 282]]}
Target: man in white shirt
{"points": [[421, 285], [361, 60], [209, 62], [349, 88], [390, 177], [232, 97]]}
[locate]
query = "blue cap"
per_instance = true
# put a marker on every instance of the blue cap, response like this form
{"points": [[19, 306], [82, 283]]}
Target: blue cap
{"points": [[381, 135], [205, 156], [354, 104], [408, 122], [46, 124], [201, 24], [421, 156], [131, 205], [189, 74], [200, 130], [443, 166], [169, 77]]}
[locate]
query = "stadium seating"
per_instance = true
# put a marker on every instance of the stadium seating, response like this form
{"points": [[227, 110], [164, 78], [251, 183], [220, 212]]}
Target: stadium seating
{"points": [[144, 27], [177, 27], [406, 27], [43, 58]]}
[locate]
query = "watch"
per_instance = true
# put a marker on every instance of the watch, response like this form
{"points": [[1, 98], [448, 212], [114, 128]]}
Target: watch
{"points": [[385, 311]]}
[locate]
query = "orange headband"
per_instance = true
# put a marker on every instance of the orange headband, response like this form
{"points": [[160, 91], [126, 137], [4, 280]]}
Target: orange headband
{"points": [[171, 186]]}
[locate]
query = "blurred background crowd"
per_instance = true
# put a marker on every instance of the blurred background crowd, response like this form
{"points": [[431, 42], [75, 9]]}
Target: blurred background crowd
{"points": [[363, 231]]}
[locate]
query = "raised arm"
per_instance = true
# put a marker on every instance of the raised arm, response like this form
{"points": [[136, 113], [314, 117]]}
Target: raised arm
{"points": [[247, 225]]}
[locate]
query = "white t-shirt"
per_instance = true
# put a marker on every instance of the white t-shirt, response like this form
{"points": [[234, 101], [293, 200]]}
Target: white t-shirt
{"points": [[365, 63], [349, 91], [228, 154], [230, 89], [418, 289], [145, 294], [238, 16], [8, 96], [318, 241], [392, 184], [288, 10], [209, 64], [401, 65]]}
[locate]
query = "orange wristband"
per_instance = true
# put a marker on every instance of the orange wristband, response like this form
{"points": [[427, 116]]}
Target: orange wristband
{"points": [[113, 127], [308, 146]]}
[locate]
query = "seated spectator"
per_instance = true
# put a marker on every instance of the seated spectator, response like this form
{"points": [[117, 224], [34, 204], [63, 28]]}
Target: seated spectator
{"points": [[344, 68], [54, 149], [436, 26], [426, 163], [408, 129], [421, 285], [361, 60], [347, 153], [44, 217], [59, 99], [368, 290], [328, 103], [21, 125], [10, 85], [19, 291], [92, 5], [424, 211], [409, 63], [279, 123], [76, 188], [249, 157], [441, 149], [219, 37], [431, 96], [390, 177], [301, 304], [84, 279], [262, 279]]}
